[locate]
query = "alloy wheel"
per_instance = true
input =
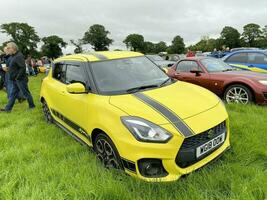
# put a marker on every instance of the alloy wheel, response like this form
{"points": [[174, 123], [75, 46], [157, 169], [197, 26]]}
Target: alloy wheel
{"points": [[237, 95], [47, 113], [106, 153]]}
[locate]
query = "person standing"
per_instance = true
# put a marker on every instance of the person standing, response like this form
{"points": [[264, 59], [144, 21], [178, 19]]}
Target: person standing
{"points": [[8, 83], [190, 53], [17, 72]]}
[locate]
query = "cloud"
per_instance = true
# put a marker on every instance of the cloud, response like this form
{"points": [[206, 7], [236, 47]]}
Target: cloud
{"points": [[156, 20]]}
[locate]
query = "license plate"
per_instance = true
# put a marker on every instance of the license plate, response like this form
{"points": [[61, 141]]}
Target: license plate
{"points": [[208, 146]]}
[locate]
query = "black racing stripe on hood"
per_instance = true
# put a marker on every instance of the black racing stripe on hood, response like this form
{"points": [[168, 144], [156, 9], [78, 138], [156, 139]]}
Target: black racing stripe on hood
{"points": [[175, 120]]}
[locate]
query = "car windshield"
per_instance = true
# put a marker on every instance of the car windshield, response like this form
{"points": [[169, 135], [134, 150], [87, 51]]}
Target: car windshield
{"points": [[127, 75], [216, 65], [155, 57]]}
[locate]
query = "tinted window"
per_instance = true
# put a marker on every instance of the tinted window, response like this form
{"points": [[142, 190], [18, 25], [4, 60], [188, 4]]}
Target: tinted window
{"points": [[257, 58], [238, 57], [187, 66], [74, 74], [59, 72]]}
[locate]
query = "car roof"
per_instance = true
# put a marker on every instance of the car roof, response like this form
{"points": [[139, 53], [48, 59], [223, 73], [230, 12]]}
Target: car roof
{"points": [[99, 56], [249, 51]]}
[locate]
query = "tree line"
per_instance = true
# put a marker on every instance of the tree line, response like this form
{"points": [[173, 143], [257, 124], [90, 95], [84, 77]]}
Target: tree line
{"points": [[98, 37]]}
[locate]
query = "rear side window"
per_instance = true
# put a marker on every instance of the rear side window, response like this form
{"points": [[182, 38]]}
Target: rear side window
{"points": [[59, 72], [187, 66], [257, 58], [238, 57], [74, 74]]}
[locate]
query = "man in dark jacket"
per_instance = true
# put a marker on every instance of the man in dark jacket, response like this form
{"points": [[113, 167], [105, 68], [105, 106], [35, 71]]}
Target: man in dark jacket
{"points": [[17, 72]]}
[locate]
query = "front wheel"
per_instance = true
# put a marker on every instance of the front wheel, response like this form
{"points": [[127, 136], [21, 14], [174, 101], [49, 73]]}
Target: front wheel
{"points": [[238, 94], [106, 152]]}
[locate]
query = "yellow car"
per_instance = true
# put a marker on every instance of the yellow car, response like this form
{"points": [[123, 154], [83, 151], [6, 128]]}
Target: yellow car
{"points": [[134, 116]]}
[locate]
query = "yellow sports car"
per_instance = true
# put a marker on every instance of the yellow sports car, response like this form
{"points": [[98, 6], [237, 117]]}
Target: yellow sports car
{"points": [[134, 116]]}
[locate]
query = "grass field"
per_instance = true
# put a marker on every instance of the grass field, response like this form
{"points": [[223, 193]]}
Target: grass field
{"points": [[40, 161]]}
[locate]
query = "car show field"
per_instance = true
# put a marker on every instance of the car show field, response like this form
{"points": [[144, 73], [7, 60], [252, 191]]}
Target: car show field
{"points": [[40, 161]]}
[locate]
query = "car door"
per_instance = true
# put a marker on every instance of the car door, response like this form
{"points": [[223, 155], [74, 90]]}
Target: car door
{"points": [[56, 87], [183, 72], [257, 61], [74, 107], [238, 60]]}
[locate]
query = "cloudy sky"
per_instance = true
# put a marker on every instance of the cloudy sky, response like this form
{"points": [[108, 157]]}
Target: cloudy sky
{"points": [[156, 20]]}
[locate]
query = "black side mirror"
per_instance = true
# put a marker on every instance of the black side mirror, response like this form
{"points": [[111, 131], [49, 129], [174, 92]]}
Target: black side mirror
{"points": [[197, 72]]}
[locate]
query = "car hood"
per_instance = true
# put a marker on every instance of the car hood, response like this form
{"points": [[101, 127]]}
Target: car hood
{"points": [[183, 99], [246, 74]]}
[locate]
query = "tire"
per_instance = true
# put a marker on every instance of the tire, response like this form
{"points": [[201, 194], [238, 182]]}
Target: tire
{"points": [[47, 114], [106, 152], [238, 94]]}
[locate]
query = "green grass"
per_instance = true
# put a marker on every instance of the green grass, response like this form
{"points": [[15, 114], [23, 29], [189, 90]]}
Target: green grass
{"points": [[40, 161]]}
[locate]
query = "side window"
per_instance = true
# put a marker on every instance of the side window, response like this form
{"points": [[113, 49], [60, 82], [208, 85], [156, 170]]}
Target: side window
{"points": [[257, 58], [187, 66], [238, 57], [74, 74], [59, 72]]}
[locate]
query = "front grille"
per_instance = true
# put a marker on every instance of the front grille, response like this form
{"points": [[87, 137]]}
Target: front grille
{"points": [[187, 153]]}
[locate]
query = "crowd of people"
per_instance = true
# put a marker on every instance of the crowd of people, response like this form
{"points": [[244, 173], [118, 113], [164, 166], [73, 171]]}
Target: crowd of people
{"points": [[13, 77], [215, 53]]}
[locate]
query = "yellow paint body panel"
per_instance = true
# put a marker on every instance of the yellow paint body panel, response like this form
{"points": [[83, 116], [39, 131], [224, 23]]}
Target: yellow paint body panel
{"points": [[197, 107]]}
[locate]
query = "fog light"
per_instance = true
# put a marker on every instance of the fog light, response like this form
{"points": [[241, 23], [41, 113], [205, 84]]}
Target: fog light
{"points": [[151, 168]]}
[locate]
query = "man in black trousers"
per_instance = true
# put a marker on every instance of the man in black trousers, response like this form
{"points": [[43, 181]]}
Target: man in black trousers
{"points": [[17, 71]]}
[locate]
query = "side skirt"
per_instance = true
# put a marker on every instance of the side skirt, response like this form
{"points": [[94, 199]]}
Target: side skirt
{"points": [[71, 134]]}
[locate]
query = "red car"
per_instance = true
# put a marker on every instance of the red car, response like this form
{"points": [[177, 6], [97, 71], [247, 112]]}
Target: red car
{"points": [[233, 85]]}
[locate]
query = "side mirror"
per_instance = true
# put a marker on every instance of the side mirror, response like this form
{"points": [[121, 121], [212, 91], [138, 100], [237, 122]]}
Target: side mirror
{"points": [[76, 88], [197, 72]]}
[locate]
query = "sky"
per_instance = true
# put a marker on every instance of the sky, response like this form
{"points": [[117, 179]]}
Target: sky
{"points": [[156, 20]]}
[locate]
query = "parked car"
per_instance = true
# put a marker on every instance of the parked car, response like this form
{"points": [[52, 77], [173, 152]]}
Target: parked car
{"points": [[227, 82], [252, 60], [146, 124], [160, 61]]}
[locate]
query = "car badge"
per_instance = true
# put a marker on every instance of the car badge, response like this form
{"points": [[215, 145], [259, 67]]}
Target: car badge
{"points": [[210, 133]]}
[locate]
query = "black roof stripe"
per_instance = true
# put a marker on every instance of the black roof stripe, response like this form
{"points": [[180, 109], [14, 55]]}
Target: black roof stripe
{"points": [[99, 56], [175, 120]]}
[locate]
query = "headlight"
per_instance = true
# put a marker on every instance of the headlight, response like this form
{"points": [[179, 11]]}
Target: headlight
{"points": [[146, 131], [263, 82]]}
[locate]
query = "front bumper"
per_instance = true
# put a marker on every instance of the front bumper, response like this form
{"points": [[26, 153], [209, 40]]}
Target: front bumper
{"points": [[167, 154]]}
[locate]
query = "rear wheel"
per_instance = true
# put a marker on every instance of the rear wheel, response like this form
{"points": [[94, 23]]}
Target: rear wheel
{"points": [[47, 113], [238, 94], [107, 152]]}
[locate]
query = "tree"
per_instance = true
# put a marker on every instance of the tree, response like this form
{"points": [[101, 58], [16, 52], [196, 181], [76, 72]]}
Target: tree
{"points": [[97, 37], [160, 47], [52, 46], [251, 34], [177, 46], [23, 35], [230, 37], [78, 46], [149, 47], [135, 42]]}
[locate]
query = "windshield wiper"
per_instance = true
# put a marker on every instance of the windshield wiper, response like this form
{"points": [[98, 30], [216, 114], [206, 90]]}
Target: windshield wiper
{"points": [[136, 89], [165, 81]]}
